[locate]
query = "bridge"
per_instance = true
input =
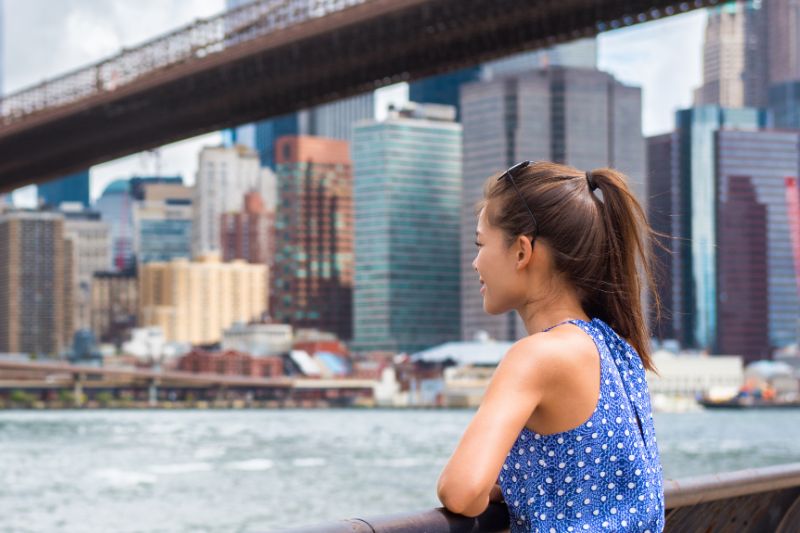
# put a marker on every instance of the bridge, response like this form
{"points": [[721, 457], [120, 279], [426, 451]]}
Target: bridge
{"points": [[272, 57], [87, 381]]}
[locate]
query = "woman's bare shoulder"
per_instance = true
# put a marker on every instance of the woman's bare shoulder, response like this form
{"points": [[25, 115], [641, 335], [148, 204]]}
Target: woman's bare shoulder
{"points": [[554, 356]]}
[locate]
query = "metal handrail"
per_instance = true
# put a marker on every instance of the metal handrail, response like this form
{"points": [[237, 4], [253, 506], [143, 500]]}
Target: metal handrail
{"points": [[678, 494], [712, 487]]}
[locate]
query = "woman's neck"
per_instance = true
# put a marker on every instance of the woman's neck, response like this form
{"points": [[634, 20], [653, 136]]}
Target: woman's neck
{"points": [[537, 318]]}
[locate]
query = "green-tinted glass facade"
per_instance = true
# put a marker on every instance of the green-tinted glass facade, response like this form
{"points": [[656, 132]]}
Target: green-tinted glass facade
{"points": [[407, 203]]}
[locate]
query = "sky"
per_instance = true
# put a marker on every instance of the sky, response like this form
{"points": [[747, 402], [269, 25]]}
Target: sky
{"points": [[46, 38]]}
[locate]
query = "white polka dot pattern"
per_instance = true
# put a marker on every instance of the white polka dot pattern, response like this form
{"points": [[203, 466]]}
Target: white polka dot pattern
{"points": [[604, 475]]}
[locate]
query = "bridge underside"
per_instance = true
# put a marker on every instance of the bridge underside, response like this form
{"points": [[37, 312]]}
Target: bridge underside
{"points": [[339, 55]]}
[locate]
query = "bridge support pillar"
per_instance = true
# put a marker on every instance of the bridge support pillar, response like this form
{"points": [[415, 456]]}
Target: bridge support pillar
{"points": [[152, 393], [77, 389]]}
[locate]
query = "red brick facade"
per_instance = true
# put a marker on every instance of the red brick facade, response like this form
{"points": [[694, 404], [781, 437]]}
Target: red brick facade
{"points": [[231, 363]]}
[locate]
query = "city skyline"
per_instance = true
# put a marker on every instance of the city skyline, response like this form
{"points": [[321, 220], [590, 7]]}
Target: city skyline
{"points": [[555, 104]]}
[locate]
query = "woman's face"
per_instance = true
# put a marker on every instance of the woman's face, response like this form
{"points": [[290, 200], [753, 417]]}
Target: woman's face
{"points": [[500, 281]]}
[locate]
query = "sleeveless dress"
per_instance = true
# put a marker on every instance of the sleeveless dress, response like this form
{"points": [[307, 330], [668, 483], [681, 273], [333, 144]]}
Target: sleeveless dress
{"points": [[604, 475]]}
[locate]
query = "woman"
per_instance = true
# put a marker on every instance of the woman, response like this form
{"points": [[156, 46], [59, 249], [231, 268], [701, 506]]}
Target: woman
{"points": [[564, 434]]}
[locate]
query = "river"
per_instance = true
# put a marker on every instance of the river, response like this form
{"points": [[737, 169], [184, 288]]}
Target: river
{"points": [[149, 471]]}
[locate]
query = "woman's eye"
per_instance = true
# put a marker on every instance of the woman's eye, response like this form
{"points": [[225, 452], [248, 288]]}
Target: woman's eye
{"points": [[477, 244]]}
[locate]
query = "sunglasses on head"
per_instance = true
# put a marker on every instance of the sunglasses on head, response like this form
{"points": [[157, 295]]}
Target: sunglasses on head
{"points": [[510, 175]]}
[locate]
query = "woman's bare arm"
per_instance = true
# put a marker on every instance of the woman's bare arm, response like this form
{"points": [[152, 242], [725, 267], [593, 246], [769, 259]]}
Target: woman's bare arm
{"points": [[515, 390]]}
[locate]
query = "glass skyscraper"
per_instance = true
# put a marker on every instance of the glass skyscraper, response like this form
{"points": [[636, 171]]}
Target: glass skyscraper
{"points": [[407, 198], [758, 298], [784, 103], [696, 128], [71, 188]]}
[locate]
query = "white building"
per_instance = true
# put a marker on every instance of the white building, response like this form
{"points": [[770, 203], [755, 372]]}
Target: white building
{"points": [[149, 345], [690, 375], [258, 339], [224, 175]]}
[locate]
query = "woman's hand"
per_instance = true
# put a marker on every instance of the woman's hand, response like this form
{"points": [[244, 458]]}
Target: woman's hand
{"points": [[496, 494]]}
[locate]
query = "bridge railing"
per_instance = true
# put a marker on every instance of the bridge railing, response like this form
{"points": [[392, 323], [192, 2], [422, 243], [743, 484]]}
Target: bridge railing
{"points": [[195, 41], [754, 500]]}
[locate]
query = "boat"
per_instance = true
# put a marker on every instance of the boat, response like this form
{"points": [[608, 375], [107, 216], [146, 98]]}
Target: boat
{"points": [[748, 402]]}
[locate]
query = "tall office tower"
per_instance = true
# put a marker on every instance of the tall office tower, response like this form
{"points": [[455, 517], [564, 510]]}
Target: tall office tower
{"points": [[36, 282], [784, 62], [2, 32], [662, 173], [139, 184], [249, 234], [758, 264], [194, 301], [735, 56], [115, 305], [444, 88], [92, 253], [784, 104], [783, 18], [116, 209], [582, 117], [71, 188], [224, 175], [407, 200], [312, 280], [162, 222], [696, 272]]}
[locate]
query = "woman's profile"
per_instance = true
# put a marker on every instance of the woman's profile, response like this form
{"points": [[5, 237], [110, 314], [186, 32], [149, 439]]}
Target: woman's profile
{"points": [[564, 434]]}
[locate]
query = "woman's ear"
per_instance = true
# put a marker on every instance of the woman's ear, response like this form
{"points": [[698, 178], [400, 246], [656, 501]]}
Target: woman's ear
{"points": [[524, 249]]}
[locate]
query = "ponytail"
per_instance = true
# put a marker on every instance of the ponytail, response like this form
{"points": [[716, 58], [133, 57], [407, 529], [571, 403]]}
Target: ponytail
{"points": [[629, 240]]}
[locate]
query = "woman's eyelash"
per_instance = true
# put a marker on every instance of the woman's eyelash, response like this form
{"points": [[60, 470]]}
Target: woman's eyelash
{"points": [[477, 244]]}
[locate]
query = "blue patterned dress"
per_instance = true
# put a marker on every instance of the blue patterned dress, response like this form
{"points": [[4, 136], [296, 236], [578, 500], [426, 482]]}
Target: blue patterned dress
{"points": [[604, 475]]}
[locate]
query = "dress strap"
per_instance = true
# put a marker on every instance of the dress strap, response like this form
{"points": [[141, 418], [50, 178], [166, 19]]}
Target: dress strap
{"points": [[569, 321]]}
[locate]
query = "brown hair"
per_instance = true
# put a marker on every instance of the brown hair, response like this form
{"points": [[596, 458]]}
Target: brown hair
{"points": [[600, 244]]}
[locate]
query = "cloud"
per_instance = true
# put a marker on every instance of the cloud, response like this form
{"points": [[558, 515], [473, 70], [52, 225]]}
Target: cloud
{"points": [[662, 57], [46, 38]]}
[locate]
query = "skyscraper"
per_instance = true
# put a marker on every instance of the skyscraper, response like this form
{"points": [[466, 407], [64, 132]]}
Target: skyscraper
{"points": [[697, 269], [115, 304], [162, 221], [407, 200], [116, 209], [194, 301], [758, 295], [582, 117], [735, 56], [71, 188], [313, 275], [662, 190], [224, 175], [784, 40], [91, 253], [36, 283], [784, 61], [249, 234], [784, 103]]}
